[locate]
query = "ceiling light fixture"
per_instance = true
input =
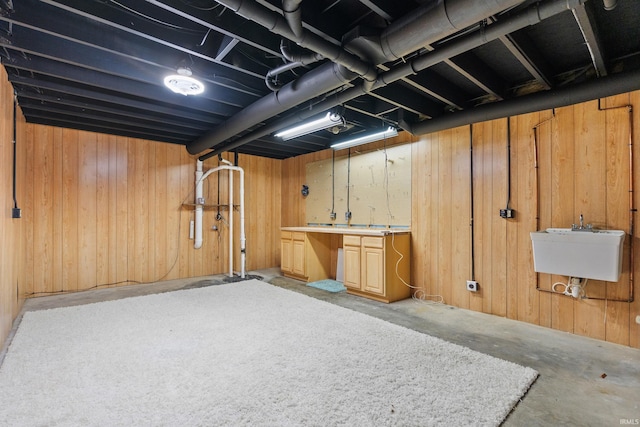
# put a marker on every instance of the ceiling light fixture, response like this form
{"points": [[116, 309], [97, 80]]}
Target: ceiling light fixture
{"points": [[327, 121], [183, 83], [390, 132]]}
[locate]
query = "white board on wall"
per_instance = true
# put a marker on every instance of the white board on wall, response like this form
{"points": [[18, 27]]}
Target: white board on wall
{"points": [[374, 186]]}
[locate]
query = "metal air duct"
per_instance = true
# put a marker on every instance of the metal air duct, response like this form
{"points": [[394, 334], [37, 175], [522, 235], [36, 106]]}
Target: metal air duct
{"points": [[598, 88], [530, 16], [403, 36]]}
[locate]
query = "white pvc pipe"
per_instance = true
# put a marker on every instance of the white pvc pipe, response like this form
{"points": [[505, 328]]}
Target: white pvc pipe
{"points": [[197, 243], [198, 225]]}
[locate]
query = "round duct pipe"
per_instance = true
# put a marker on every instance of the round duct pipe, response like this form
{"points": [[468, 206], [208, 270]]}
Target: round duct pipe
{"points": [[269, 106], [530, 16], [598, 88]]}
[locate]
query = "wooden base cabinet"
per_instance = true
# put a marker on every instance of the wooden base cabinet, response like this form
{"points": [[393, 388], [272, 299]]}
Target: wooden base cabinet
{"points": [[292, 246], [305, 256], [376, 263], [377, 267]]}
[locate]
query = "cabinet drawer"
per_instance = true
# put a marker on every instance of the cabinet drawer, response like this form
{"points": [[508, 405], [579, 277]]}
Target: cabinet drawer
{"points": [[350, 240], [373, 242], [298, 236], [285, 235]]}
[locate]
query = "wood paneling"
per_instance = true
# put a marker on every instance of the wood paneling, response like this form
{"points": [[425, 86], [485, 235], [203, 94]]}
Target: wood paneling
{"points": [[582, 167], [107, 211], [12, 244]]}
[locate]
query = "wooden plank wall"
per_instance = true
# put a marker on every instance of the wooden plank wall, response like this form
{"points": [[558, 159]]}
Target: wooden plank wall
{"points": [[107, 210], [11, 259], [583, 167]]}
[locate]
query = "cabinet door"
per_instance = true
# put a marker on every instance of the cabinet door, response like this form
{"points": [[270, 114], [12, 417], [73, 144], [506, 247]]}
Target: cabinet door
{"points": [[286, 254], [373, 265], [352, 266], [299, 260]]}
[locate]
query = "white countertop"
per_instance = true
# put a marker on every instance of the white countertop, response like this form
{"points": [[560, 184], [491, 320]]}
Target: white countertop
{"points": [[348, 230]]}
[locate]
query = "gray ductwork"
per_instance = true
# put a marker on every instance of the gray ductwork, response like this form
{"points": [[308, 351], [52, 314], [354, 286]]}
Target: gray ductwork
{"points": [[434, 21], [327, 77], [599, 88], [268, 107], [530, 16], [293, 15], [275, 23]]}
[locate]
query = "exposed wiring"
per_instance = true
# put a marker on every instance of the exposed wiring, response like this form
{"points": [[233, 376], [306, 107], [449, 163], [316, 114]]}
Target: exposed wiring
{"points": [[418, 293], [191, 4], [333, 182], [155, 20]]}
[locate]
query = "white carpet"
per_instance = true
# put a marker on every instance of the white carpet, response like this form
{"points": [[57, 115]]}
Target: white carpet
{"points": [[244, 353]]}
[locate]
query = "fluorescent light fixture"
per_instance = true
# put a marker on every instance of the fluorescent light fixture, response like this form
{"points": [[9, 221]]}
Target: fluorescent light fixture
{"points": [[390, 132], [327, 121], [183, 83]]}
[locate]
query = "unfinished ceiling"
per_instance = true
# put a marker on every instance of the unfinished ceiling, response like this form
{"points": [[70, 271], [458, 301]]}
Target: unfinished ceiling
{"points": [[419, 65]]}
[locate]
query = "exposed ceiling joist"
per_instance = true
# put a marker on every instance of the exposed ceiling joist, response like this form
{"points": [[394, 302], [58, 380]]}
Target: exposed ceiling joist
{"points": [[99, 64]]}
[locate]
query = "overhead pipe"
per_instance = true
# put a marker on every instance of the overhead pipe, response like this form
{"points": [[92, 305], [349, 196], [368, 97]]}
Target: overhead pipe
{"points": [[273, 85], [309, 88], [293, 15], [328, 77], [304, 58], [529, 16], [436, 20], [275, 23], [599, 88]]}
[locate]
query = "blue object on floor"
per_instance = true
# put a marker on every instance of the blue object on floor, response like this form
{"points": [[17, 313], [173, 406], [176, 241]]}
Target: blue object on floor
{"points": [[328, 285]]}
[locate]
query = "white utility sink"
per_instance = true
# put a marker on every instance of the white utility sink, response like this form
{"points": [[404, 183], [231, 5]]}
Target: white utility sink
{"points": [[587, 254]]}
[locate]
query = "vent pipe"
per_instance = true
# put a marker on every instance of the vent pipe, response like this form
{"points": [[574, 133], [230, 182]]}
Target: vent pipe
{"points": [[598, 88], [418, 32], [293, 15], [436, 20], [327, 77], [529, 16]]}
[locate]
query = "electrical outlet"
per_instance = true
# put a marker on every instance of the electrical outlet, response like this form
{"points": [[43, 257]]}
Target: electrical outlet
{"points": [[347, 216], [332, 215], [507, 213], [472, 285], [638, 320]]}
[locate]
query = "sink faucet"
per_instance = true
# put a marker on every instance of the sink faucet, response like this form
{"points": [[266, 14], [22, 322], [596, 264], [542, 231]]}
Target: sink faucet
{"points": [[581, 227]]}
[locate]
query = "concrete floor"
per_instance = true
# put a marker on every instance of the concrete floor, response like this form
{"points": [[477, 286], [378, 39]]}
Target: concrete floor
{"points": [[582, 382]]}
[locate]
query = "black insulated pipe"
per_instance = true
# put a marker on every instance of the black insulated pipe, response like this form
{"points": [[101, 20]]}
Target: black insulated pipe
{"points": [[293, 15], [530, 16], [394, 38], [275, 23], [599, 88], [328, 77], [434, 21]]}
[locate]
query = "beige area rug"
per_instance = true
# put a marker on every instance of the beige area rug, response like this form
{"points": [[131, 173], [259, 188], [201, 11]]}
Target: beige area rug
{"points": [[245, 353]]}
